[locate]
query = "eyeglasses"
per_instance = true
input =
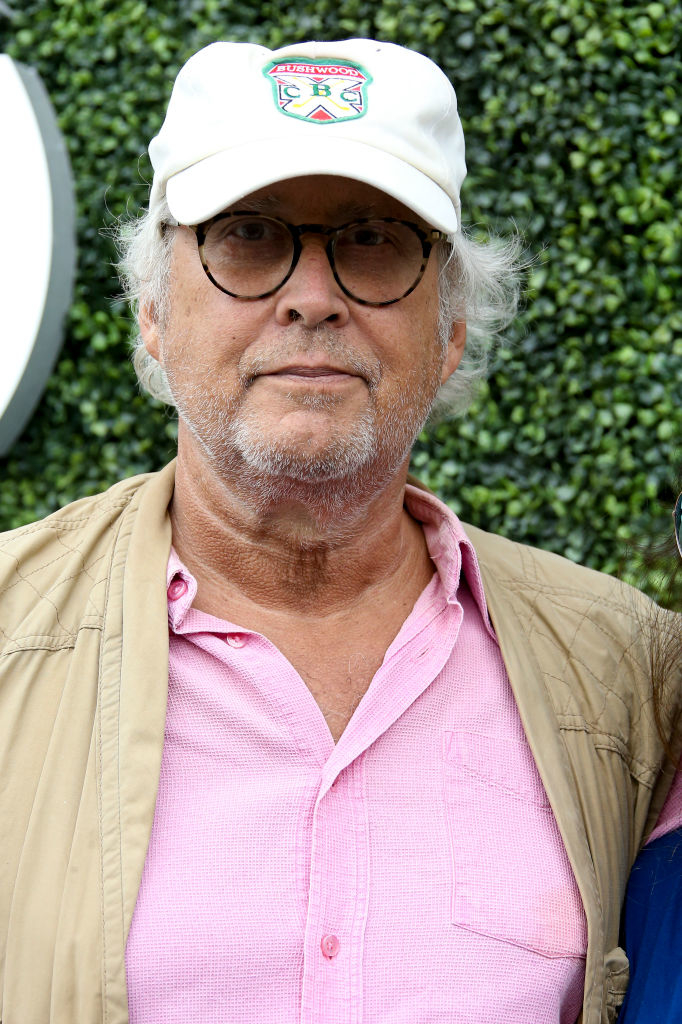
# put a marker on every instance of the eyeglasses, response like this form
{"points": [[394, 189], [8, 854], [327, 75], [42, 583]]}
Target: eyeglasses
{"points": [[375, 261], [677, 520]]}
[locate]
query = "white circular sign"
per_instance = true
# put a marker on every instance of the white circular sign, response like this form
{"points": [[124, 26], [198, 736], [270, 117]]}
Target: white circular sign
{"points": [[37, 250]]}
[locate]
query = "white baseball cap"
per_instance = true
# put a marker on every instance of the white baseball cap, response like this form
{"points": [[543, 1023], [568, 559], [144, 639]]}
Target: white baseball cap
{"points": [[242, 117]]}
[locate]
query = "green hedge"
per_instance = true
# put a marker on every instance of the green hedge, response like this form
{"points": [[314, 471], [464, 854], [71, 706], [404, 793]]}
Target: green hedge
{"points": [[571, 112]]}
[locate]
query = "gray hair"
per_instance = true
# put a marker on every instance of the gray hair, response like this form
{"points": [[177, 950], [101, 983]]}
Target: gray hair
{"points": [[478, 283]]}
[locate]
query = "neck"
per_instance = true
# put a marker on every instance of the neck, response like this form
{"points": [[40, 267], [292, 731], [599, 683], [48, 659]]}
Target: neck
{"points": [[311, 549]]}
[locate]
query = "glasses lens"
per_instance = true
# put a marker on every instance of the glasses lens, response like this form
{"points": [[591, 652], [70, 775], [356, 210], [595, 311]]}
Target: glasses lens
{"points": [[677, 519], [378, 260], [248, 255]]}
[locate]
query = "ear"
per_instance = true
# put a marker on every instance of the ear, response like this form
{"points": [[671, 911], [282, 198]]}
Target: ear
{"points": [[149, 330], [455, 350]]}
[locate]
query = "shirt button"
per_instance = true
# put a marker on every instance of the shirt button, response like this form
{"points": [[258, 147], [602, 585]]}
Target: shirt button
{"points": [[330, 946], [177, 589], [235, 640]]}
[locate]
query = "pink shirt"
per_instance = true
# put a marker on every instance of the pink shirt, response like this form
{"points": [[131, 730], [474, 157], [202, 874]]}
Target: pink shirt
{"points": [[671, 813], [411, 873]]}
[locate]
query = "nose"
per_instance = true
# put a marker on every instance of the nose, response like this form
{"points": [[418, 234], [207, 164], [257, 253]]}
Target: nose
{"points": [[312, 296]]}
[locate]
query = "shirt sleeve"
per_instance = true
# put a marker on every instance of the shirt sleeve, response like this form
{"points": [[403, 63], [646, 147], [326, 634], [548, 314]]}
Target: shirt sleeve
{"points": [[670, 817]]}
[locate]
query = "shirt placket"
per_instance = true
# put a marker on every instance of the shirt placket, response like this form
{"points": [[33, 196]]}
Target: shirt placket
{"points": [[338, 902]]}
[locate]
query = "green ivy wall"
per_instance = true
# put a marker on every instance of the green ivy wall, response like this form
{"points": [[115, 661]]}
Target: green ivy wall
{"points": [[572, 116]]}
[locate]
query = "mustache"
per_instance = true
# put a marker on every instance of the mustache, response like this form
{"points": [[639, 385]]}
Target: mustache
{"points": [[302, 341]]}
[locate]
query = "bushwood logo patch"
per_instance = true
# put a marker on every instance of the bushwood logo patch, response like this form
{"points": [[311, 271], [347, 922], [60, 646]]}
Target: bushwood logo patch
{"points": [[319, 91]]}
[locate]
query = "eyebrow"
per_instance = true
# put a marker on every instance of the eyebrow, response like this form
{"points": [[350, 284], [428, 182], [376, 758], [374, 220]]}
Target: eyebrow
{"points": [[270, 204], [266, 204]]}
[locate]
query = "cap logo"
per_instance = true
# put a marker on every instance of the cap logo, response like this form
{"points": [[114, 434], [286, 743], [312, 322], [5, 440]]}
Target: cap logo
{"points": [[319, 91]]}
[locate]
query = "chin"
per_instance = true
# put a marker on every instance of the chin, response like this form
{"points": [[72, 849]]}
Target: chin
{"points": [[336, 461], [339, 462]]}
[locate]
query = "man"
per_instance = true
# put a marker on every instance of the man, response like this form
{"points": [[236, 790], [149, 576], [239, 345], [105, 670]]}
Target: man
{"points": [[281, 740]]}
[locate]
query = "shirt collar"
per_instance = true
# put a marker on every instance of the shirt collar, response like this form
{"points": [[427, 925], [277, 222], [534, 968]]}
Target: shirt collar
{"points": [[450, 549]]}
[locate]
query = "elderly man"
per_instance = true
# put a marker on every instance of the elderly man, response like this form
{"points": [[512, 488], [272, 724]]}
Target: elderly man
{"points": [[281, 739]]}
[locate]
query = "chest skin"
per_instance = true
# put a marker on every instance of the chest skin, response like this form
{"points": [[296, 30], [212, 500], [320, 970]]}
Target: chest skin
{"points": [[338, 655], [337, 665]]}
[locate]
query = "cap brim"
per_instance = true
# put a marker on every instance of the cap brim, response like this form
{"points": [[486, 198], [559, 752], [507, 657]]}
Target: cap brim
{"points": [[209, 186]]}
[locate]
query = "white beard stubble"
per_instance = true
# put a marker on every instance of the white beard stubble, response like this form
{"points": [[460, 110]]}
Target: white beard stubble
{"points": [[231, 435]]}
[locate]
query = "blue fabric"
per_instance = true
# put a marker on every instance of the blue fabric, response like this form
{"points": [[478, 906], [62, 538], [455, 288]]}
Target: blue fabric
{"points": [[653, 934]]}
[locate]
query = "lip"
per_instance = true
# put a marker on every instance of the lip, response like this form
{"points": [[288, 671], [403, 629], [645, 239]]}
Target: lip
{"points": [[312, 372]]}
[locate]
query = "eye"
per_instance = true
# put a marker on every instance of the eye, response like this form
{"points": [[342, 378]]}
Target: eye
{"points": [[245, 228], [249, 228], [253, 229], [372, 234], [379, 240]]}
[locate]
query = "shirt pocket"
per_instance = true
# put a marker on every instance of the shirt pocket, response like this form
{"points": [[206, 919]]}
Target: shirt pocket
{"points": [[511, 877]]}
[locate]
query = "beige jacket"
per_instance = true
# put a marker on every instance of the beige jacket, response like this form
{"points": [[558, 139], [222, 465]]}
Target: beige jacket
{"points": [[83, 679]]}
